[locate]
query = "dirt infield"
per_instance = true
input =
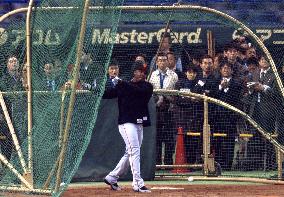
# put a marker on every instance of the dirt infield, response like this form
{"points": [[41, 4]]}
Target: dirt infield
{"points": [[173, 190], [183, 190]]}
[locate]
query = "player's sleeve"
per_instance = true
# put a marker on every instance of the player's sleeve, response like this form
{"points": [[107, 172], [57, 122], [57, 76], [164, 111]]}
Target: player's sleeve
{"points": [[110, 93]]}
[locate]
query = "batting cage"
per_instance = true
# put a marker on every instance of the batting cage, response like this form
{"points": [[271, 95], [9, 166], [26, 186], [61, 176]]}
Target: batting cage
{"points": [[216, 111]]}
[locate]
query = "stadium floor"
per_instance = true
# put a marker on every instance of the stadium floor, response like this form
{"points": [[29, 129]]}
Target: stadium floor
{"points": [[180, 188], [174, 188]]}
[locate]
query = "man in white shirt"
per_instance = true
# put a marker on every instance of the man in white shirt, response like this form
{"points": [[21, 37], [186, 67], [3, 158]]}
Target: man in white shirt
{"points": [[164, 78], [165, 47]]}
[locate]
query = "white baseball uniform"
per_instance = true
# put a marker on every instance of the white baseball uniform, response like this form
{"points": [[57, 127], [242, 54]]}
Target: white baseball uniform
{"points": [[132, 135]]}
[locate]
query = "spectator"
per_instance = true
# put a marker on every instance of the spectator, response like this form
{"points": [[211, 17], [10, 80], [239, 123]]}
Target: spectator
{"points": [[165, 48], [164, 78], [251, 52], [252, 64], [50, 82], [229, 90], [142, 57], [172, 64], [113, 72], [188, 82], [13, 76], [253, 67], [86, 69], [206, 80], [70, 75], [194, 60], [219, 57], [186, 118], [11, 81], [231, 53], [263, 94], [206, 84]]}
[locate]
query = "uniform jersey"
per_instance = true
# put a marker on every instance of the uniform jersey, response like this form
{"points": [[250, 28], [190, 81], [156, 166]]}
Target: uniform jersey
{"points": [[133, 98]]}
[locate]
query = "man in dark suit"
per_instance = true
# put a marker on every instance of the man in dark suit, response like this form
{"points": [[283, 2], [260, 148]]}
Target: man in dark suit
{"points": [[231, 51], [172, 65], [263, 93], [186, 114], [206, 84], [263, 109], [11, 81], [229, 90], [205, 79], [113, 72]]}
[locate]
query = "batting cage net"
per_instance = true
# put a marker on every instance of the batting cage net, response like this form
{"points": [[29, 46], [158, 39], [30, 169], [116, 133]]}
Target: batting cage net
{"points": [[46, 157], [218, 90], [212, 54]]}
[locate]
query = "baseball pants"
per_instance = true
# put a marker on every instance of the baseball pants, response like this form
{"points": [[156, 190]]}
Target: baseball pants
{"points": [[132, 135]]}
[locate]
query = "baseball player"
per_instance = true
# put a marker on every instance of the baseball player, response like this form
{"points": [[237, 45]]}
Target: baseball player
{"points": [[133, 98]]}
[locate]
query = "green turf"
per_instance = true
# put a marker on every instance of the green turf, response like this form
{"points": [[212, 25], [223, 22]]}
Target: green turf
{"points": [[168, 182], [251, 174], [160, 174]]}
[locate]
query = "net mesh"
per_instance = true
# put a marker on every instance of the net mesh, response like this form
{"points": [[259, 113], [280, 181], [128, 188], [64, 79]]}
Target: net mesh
{"points": [[238, 145], [55, 40]]}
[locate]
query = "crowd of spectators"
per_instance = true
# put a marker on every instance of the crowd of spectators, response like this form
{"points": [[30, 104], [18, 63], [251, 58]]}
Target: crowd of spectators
{"points": [[234, 76]]}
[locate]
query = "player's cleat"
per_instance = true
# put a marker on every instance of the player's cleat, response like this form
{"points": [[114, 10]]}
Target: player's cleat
{"points": [[142, 189], [113, 186]]}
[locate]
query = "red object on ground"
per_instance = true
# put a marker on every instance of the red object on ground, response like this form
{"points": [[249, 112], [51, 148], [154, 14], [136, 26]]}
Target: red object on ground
{"points": [[180, 153]]}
